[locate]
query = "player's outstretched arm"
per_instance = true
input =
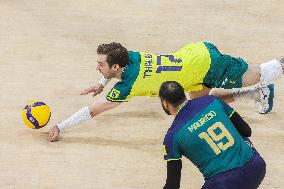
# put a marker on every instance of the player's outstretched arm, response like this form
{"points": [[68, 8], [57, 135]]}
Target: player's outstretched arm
{"points": [[96, 89], [81, 116]]}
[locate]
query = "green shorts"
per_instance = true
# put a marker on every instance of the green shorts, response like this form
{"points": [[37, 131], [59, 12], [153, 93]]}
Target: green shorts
{"points": [[225, 71]]}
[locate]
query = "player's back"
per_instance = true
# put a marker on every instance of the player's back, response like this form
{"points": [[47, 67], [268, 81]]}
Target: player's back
{"points": [[188, 66], [203, 132]]}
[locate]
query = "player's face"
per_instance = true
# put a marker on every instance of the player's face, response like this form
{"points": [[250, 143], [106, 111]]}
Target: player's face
{"points": [[104, 68], [164, 107]]}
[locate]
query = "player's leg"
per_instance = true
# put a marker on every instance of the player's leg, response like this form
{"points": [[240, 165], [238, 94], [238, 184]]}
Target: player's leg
{"points": [[227, 72], [266, 72], [263, 93], [233, 89], [225, 94], [252, 75]]}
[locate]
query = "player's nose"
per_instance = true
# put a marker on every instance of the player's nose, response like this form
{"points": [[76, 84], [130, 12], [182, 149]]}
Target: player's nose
{"points": [[97, 68]]}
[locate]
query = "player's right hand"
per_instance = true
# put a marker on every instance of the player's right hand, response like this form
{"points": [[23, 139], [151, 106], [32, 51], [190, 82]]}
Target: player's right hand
{"points": [[95, 90], [54, 134]]}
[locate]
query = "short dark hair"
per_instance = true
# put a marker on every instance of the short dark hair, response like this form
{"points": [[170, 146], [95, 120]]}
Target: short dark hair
{"points": [[116, 53], [172, 92]]}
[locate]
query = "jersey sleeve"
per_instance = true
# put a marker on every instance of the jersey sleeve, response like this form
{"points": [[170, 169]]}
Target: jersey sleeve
{"points": [[171, 148], [119, 93]]}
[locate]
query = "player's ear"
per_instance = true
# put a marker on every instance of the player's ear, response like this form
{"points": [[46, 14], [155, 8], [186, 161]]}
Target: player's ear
{"points": [[115, 67], [165, 104]]}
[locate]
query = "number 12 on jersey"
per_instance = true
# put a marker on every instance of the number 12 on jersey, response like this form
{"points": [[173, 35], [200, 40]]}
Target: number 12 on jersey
{"points": [[213, 139]]}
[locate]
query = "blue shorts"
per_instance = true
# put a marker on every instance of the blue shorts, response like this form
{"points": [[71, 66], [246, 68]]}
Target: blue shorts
{"points": [[247, 177]]}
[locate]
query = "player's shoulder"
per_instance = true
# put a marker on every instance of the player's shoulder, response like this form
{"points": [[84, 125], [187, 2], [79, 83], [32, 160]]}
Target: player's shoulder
{"points": [[170, 135], [193, 108], [134, 56], [175, 126], [205, 99]]}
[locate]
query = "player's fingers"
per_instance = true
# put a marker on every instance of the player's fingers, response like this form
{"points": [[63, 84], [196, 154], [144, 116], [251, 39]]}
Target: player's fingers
{"points": [[50, 137], [86, 91], [54, 137]]}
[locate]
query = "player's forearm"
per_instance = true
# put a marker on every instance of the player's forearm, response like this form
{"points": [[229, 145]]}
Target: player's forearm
{"points": [[240, 124], [87, 113], [76, 119], [173, 174]]}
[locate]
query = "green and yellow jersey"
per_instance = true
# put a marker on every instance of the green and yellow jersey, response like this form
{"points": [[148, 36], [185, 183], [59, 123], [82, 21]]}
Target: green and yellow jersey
{"points": [[192, 66]]}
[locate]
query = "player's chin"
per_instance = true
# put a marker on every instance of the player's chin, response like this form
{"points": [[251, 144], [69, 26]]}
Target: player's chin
{"points": [[106, 76]]}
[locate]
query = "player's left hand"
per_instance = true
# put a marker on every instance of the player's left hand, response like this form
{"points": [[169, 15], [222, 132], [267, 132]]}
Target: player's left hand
{"points": [[95, 90]]}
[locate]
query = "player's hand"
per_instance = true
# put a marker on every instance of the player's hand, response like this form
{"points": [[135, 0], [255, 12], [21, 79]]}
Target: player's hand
{"points": [[54, 134], [95, 90]]}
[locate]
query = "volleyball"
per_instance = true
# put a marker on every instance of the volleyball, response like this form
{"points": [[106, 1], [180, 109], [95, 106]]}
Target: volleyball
{"points": [[36, 114]]}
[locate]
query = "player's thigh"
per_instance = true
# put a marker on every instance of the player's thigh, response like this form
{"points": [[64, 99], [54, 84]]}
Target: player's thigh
{"points": [[251, 76], [197, 94]]}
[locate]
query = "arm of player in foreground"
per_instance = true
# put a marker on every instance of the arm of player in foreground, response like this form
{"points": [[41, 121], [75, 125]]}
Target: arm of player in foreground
{"points": [[173, 174], [241, 125], [81, 116]]}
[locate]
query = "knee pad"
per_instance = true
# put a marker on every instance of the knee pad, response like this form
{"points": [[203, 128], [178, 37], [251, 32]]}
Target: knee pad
{"points": [[270, 71]]}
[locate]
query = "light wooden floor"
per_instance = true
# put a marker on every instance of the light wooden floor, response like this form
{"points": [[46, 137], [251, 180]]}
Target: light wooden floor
{"points": [[48, 52]]}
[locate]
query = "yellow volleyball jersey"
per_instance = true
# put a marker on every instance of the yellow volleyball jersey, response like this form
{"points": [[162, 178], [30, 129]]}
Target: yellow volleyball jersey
{"points": [[146, 72]]}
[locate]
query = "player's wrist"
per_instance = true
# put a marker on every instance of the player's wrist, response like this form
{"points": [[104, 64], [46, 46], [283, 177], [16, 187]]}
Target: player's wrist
{"points": [[103, 81], [57, 127], [101, 85]]}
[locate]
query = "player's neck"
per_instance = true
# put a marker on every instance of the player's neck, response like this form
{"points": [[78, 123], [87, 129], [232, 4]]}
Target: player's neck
{"points": [[118, 75], [181, 106], [177, 109]]}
